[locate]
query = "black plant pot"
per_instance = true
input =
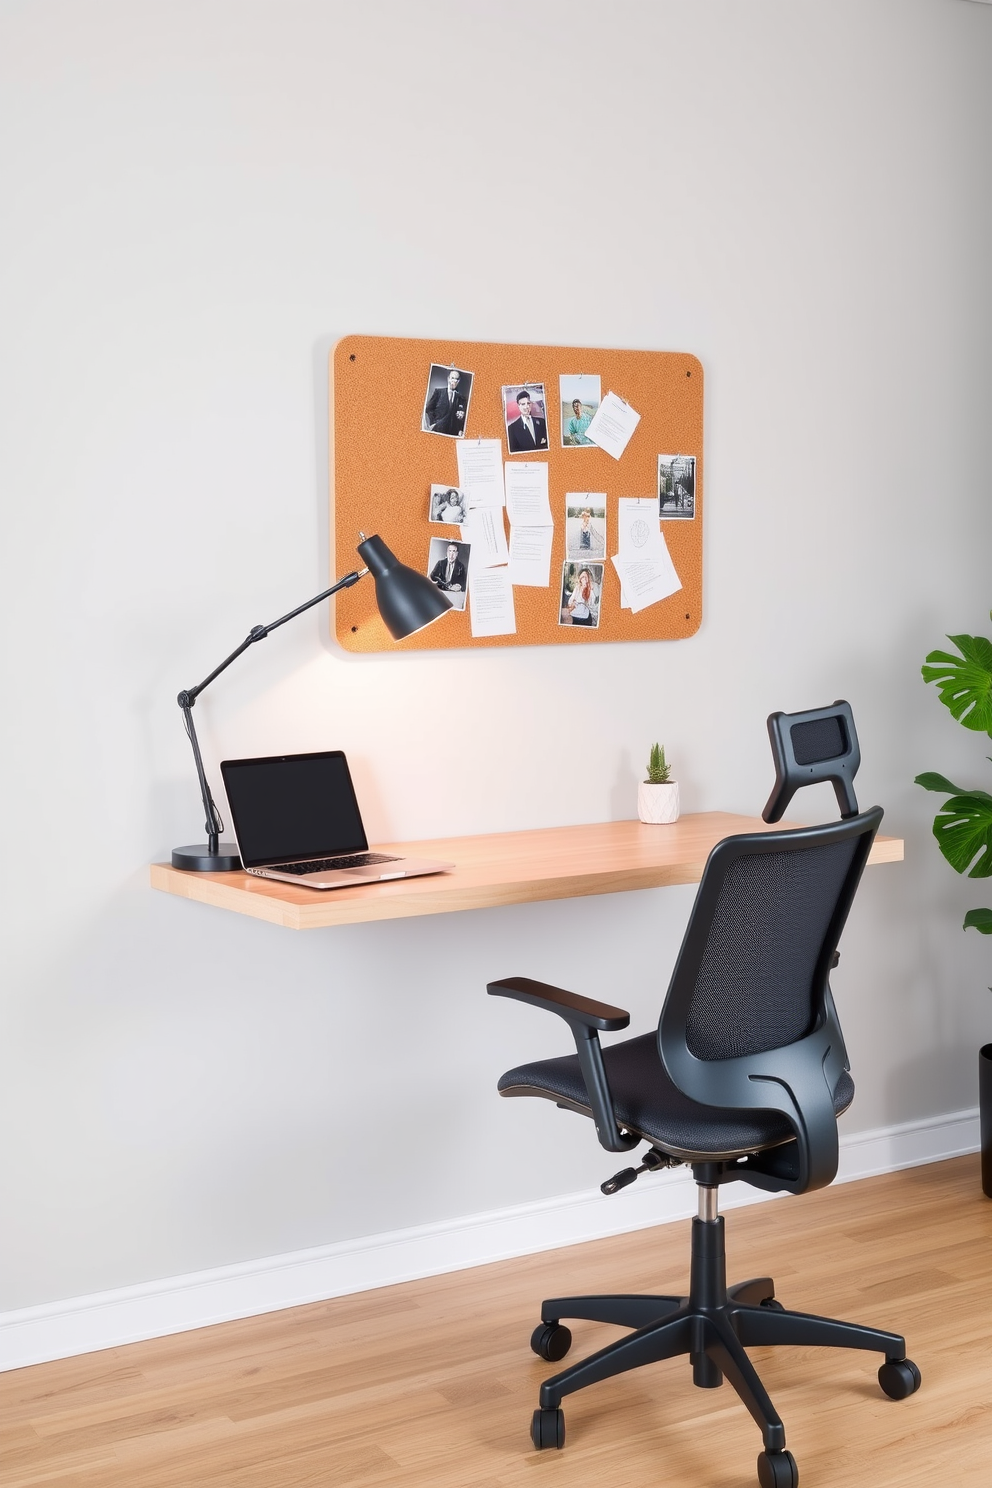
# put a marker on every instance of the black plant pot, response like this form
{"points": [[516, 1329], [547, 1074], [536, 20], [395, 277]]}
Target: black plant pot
{"points": [[985, 1109]]}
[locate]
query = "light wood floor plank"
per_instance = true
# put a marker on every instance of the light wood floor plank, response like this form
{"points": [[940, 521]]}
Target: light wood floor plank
{"points": [[433, 1383]]}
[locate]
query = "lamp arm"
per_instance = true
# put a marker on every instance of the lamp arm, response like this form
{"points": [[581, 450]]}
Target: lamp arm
{"points": [[259, 632], [188, 697], [212, 822]]}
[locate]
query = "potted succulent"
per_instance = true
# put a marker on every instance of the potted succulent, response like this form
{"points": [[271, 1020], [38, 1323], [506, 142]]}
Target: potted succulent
{"points": [[658, 795], [963, 825]]}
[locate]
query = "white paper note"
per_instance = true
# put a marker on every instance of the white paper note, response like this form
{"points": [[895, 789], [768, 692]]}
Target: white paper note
{"points": [[530, 555], [645, 581], [484, 530], [480, 471], [613, 424], [491, 603], [527, 493], [638, 527]]}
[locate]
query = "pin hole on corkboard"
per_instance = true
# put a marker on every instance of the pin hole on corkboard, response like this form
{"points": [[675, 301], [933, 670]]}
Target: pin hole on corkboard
{"points": [[352, 357]]}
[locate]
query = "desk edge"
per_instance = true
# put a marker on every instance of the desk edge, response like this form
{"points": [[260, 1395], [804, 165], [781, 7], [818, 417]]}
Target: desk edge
{"points": [[437, 895]]}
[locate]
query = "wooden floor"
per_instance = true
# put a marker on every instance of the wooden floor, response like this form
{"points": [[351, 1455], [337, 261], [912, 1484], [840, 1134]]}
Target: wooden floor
{"points": [[433, 1382]]}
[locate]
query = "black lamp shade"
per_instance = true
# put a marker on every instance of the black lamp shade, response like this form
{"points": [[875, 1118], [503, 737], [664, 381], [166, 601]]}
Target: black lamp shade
{"points": [[407, 600]]}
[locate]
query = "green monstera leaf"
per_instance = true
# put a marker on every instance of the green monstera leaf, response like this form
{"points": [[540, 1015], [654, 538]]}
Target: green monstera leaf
{"points": [[930, 780], [964, 682], [979, 919], [963, 829]]}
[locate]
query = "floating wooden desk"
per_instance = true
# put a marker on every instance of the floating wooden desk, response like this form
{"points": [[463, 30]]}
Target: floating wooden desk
{"points": [[502, 868]]}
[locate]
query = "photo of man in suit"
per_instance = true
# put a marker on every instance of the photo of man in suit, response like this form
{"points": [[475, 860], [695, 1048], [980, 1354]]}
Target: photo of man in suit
{"points": [[448, 569], [446, 407], [527, 432]]}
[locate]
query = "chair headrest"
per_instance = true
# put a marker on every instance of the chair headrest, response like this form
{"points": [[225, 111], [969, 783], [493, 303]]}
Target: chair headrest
{"points": [[821, 744]]}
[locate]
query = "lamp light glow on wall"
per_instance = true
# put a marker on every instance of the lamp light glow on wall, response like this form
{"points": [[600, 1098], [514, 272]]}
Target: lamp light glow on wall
{"points": [[407, 601]]}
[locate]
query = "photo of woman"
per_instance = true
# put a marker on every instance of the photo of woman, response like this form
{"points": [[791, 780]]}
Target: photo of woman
{"points": [[581, 587], [448, 504], [585, 524]]}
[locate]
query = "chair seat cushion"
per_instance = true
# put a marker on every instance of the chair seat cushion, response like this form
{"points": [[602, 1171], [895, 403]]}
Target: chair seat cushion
{"points": [[646, 1102]]}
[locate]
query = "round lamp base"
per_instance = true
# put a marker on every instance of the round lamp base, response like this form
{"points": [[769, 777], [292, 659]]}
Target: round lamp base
{"points": [[200, 859]]}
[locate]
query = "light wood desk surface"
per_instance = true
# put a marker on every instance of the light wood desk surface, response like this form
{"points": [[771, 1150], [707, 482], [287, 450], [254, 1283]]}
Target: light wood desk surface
{"points": [[501, 868]]}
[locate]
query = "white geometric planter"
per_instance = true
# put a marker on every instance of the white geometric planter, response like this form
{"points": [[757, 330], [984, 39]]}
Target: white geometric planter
{"points": [[658, 804]]}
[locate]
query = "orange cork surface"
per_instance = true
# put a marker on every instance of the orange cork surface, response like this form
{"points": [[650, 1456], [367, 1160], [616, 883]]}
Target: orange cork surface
{"points": [[383, 465]]}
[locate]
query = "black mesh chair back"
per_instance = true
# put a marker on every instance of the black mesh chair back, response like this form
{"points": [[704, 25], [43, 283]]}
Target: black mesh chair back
{"points": [[749, 1021]]}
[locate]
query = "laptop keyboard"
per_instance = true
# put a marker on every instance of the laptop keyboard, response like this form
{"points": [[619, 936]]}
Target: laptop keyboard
{"points": [[324, 865]]}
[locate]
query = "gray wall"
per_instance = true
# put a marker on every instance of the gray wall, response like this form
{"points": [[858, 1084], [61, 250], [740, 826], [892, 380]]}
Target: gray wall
{"points": [[196, 199]]}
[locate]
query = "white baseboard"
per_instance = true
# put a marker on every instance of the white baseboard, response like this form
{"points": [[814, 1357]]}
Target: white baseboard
{"points": [[81, 1325]]}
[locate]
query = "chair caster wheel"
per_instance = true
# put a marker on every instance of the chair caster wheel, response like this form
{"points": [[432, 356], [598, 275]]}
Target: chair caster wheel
{"points": [[899, 1378], [551, 1341], [777, 1470], [548, 1429], [771, 1304]]}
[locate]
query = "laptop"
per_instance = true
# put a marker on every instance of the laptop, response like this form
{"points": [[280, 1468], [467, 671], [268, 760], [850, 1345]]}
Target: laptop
{"points": [[296, 818]]}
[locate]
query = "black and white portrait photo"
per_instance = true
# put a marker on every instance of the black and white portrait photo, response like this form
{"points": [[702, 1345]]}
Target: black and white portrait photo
{"points": [[677, 487], [448, 504], [446, 403], [447, 567], [526, 417]]}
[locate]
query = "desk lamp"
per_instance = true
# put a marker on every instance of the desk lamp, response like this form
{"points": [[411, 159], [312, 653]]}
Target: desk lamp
{"points": [[407, 601]]}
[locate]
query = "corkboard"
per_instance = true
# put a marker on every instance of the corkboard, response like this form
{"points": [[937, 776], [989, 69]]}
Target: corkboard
{"points": [[383, 465]]}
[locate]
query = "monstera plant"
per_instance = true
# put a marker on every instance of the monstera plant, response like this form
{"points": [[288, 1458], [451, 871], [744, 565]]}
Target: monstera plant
{"points": [[963, 825]]}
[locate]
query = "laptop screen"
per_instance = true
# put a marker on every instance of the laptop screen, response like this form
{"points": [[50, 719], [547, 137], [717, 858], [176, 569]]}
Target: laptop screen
{"points": [[293, 806]]}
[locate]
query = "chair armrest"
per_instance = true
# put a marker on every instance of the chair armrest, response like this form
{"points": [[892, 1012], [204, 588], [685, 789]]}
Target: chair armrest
{"points": [[584, 1017], [574, 1009]]}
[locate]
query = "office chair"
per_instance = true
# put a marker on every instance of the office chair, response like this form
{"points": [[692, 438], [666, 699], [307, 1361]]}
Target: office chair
{"points": [[743, 1081]]}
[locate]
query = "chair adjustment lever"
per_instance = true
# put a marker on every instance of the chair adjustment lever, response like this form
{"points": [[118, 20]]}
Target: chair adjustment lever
{"points": [[653, 1160]]}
